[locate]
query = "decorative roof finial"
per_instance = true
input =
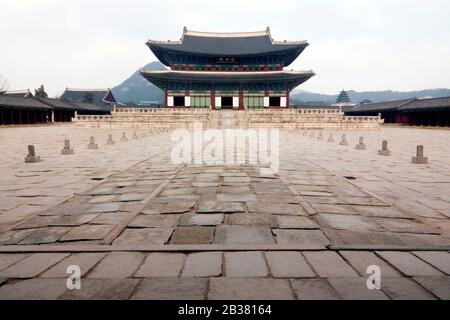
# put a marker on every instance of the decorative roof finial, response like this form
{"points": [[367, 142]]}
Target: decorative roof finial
{"points": [[185, 30]]}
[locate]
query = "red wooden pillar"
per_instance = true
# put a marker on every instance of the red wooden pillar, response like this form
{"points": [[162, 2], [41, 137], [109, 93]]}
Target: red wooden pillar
{"points": [[241, 100], [213, 100]]}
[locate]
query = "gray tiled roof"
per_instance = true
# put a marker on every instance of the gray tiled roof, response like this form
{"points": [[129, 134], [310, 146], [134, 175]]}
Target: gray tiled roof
{"points": [[89, 106], [56, 103], [161, 78], [18, 94], [49, 104], [200, 76], [435, 103], [77, 95], [228, 44], [22, 103], [380, 106]]}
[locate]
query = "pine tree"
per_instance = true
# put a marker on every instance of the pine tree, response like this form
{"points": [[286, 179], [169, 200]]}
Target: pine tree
{"points": [[88, 97], [343, 97]]}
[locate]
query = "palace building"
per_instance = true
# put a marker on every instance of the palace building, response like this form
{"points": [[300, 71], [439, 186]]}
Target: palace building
{"points": [[227, 70]]}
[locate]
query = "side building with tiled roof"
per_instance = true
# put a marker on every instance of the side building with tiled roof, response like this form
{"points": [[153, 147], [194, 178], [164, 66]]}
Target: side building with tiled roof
{"points": [[103, 98], [18, 93], [16, 110], [19, 110], [419, 112]]}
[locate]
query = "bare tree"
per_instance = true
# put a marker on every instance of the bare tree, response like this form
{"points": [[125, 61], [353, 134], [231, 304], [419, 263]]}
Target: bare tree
{"points": [[4, 85]]}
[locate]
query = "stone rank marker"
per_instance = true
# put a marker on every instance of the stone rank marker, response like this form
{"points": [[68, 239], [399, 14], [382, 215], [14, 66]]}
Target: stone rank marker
{"points": [[135, 136], [344, 141], [361, 145], [92, 144], [31, 157], [67, 150], [320, 137], [330, 138], [124, 137], [110, 140], [384, 149], [419, 158]]}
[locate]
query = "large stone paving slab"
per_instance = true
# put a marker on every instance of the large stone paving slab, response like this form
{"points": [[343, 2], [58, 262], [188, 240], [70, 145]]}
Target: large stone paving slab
{"points": [[245, 264], [301, 237], [97, 289], [86, 261], [438, 286], [172, 289], [313, 289], [203, 264], [288, 265], [159, 265], [192, 236], [350, 288], [409, 264], [33, 265], [249, 289], [146, 236], [117, 265], [243, 235], [34, 289]]}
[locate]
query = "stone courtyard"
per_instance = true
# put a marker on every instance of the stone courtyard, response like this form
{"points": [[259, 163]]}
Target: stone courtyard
{"points": [[141, 227]]}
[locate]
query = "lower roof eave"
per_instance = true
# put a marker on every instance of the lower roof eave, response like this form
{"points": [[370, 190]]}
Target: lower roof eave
{"points": [[162, 78]]}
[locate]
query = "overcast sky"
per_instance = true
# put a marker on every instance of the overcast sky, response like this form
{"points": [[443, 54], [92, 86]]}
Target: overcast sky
{"points": [[355, 44]]}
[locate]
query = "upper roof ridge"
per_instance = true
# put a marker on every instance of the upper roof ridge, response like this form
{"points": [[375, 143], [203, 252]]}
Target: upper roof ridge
{"points": [[187, 32], [89, 90]]}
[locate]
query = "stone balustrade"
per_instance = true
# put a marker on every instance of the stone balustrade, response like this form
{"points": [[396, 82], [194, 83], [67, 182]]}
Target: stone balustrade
{"points": [[288, 119]]}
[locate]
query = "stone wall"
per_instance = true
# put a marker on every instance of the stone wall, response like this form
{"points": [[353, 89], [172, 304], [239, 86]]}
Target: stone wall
{"points": [[293, 119]]}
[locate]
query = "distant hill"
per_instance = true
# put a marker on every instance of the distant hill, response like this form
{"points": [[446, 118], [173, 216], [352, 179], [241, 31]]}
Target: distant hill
{"points": [[138, 90], [305, 97]]}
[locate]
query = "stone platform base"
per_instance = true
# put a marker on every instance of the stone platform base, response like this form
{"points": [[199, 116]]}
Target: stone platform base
{"points": [[292, 119]]}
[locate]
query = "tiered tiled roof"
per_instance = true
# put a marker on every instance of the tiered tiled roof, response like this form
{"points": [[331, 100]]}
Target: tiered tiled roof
{"points": [[238, 44]]}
